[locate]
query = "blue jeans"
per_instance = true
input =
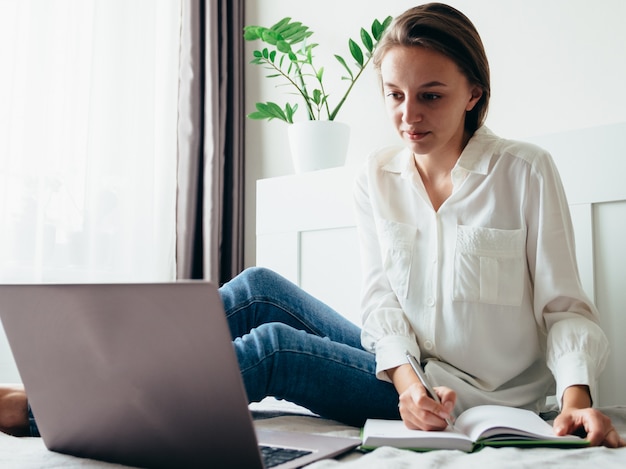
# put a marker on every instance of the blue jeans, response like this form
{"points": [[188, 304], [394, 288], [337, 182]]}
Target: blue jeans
{"points": [[294, 347]]}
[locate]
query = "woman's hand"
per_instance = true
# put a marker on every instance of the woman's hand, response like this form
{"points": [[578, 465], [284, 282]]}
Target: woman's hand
{"points": [[599, 429], [417, 409], [420, 412], [576, 414]]}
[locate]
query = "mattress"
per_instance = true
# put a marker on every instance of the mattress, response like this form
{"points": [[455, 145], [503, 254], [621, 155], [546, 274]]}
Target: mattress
{"points": [[31, 453]]}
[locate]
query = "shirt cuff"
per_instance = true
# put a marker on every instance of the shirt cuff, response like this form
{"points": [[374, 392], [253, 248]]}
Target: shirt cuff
{"points": [[391, 353], [573, 369]]}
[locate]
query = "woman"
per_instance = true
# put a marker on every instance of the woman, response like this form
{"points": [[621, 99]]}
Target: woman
{"points": [[467, 245], [468, 261]]}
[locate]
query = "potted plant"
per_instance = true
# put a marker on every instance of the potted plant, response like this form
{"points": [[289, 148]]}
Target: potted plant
{"points": [[288, 54]]}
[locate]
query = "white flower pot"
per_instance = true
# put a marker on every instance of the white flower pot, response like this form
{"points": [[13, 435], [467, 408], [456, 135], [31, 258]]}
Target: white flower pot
{"points": [[318, 144]]}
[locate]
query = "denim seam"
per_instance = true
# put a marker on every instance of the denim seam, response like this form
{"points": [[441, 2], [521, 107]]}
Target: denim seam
{"points": [[286, 310], [304, 352]]}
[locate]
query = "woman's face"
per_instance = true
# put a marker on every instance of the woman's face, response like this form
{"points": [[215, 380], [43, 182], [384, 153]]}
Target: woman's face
{"points": [[427, 96]]}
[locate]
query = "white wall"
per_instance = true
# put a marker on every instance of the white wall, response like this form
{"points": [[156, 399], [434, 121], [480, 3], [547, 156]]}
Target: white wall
{"points": [[556, 65]]}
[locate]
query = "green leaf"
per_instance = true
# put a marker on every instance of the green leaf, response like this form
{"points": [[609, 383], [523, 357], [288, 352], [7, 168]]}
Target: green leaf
{"points": [[252, 33], [283, 46], [265, 53], [386, 22], [290, 111], [356, 52], [257, 54], [367, 40], [281, 24], [317, 96], [300, 36], [377, 30], [257, 115], [271, 37], [272, 56], [271, 111], [293, 29], [320, 74], [342, 61]]}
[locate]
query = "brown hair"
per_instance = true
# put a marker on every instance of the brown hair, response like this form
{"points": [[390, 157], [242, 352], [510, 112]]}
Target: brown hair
{"points": [[442, 28]]}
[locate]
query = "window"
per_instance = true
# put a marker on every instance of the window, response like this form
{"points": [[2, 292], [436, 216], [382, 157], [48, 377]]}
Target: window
{"points": [[88, 140]]}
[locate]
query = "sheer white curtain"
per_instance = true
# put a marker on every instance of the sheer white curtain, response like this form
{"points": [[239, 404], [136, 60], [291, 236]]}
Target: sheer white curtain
{"points": [[88, 112]]}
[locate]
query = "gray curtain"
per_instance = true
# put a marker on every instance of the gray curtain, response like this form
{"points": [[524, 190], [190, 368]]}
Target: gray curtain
{"points": [[210, 141]]}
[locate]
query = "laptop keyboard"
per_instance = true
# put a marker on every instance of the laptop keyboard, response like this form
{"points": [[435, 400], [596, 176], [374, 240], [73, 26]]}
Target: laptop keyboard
{"points": [[273, 456]]}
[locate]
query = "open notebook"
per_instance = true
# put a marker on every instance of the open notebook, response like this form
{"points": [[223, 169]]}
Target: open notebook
{"points": [[486, 425]]}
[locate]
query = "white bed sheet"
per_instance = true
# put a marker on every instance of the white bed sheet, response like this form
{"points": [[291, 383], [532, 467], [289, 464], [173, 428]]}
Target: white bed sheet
{"points": [[487, 458], [30, 453]]}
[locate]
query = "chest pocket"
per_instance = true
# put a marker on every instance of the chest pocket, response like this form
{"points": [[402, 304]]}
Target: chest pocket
{"points": [[396, 243], [489, 265]]}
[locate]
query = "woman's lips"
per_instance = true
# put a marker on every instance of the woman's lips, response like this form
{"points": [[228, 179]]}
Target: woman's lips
{"points": [[416, 136]]}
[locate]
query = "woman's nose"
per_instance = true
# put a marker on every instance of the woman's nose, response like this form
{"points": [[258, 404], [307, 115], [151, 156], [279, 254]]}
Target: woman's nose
{"points": [[412, 112]]}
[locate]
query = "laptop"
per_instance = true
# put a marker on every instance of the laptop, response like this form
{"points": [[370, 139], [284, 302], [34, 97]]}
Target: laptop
{"points": [[141, 374]]}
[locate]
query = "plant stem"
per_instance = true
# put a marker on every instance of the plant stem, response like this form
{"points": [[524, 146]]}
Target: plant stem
{"points": [[301, 90], [331, 116], [305, 93], [324, 95]]}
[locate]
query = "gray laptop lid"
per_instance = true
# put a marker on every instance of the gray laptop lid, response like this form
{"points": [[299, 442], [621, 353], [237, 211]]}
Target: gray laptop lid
{"points": [[142, 375]]}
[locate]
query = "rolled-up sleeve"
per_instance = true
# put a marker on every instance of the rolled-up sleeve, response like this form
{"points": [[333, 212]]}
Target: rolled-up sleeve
{"points": [[577, 353]]}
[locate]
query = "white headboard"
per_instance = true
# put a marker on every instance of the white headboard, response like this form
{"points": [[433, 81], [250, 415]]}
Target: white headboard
{"points": [[592, 164], [306, 231]]}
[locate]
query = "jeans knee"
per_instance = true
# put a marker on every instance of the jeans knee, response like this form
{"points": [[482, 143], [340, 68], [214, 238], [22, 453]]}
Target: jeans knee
{"points": [[255, 275], [262, 282], [246, 285], [255, 279]]}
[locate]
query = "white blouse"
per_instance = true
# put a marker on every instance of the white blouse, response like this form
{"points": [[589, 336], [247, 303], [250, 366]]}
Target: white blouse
{"points": [[486, 289]]}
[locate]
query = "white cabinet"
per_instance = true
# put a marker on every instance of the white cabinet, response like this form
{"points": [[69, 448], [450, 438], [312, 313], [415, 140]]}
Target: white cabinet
{"points": [[306, 232]]}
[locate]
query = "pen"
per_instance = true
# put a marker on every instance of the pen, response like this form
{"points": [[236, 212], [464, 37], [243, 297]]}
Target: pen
{"points": [[422, 377]]}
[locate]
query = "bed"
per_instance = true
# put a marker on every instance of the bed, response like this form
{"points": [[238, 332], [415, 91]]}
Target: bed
{"points": [[31, 453]]}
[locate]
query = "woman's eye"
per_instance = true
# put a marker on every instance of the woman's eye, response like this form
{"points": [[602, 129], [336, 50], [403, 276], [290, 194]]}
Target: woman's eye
{"points": [[430, 96], [393, 95]]}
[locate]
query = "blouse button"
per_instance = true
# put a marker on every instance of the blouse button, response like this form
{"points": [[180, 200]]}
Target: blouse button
{"points": [[428, 345], [430, 301]]}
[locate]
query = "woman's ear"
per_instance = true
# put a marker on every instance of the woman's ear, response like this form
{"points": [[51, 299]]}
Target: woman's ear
{"points": [[477, 93]]}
